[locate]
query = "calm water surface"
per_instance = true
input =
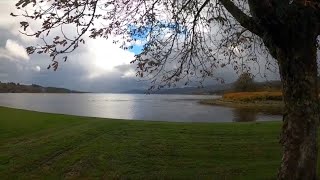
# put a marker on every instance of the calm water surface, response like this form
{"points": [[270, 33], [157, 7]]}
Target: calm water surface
{"points": [[179, 108]]}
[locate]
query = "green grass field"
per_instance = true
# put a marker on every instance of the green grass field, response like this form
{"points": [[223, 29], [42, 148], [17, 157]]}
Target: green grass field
{"points": [[47, 146]]}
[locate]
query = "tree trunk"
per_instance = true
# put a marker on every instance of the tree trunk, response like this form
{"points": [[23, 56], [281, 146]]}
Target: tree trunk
{"points": [[298, 70]]}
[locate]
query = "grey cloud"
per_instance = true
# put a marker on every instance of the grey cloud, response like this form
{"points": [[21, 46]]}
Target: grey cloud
{"points": [[126, 67], [75, 73]]}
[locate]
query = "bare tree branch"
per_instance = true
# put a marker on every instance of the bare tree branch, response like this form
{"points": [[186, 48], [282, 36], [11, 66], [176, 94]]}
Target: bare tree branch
{"points": [[242, 18]]}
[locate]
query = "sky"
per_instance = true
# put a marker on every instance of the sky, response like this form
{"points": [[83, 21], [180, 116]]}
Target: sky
{"points": [[98, 66]]}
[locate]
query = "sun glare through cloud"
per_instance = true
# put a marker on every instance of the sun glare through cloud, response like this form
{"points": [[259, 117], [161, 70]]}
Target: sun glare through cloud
{"points": [[106, 56]]}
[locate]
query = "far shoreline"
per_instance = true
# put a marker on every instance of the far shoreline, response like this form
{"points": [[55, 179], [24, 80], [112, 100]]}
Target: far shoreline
{"points": [[267, 105]]}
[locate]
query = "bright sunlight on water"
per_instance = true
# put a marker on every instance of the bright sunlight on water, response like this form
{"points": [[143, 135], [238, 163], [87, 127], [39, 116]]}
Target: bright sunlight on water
{"points": [[178, 108]]}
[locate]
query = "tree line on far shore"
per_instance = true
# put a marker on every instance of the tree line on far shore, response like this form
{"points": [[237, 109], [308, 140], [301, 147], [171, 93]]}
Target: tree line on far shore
{"points": [[34, 88]]}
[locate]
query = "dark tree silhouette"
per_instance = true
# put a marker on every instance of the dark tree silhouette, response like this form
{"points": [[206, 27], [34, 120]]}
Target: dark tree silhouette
{"points": [[186, 40], [245, 83]]}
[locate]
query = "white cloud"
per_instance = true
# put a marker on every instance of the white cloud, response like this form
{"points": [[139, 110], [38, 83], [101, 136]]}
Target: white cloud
{"points": [[12, 24], [37, 69], [6, 7], [14, 51], [138, 42], [105, 56], [92, 67], [98, 66]]}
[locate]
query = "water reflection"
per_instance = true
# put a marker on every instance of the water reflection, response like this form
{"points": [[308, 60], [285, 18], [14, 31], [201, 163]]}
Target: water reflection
{"points": [[249, 115], [177, 108], [244, 115]]}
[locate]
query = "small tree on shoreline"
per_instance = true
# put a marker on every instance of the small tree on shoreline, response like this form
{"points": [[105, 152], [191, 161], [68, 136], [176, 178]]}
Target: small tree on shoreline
{"points": [[245, 83]]}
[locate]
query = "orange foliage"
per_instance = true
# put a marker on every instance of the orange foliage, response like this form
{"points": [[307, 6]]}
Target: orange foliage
{"points": [[253, 96]]}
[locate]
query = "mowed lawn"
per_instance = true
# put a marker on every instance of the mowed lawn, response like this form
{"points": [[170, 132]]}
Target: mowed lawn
{"points": [[37, 145]]}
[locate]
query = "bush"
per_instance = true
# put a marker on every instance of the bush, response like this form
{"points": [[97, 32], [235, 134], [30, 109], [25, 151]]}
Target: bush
{"points": [[253, 96]]}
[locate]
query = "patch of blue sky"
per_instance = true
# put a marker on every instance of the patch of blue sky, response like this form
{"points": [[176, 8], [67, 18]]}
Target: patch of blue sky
{"points": [[141, 33], [138, 34], [136, 49]]}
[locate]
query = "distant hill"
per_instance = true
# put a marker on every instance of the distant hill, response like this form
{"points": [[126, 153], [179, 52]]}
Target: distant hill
{"points": [[21, 88], [211, 89]]}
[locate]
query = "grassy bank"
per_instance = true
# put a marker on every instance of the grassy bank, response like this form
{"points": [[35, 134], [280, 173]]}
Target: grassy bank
{"points": [[253, 96], [264, 101], [39, 145], [275, 107]]}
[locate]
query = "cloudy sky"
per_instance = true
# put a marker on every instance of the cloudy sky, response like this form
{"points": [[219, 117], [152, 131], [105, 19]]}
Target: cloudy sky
{"points": [[99, 66]]}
